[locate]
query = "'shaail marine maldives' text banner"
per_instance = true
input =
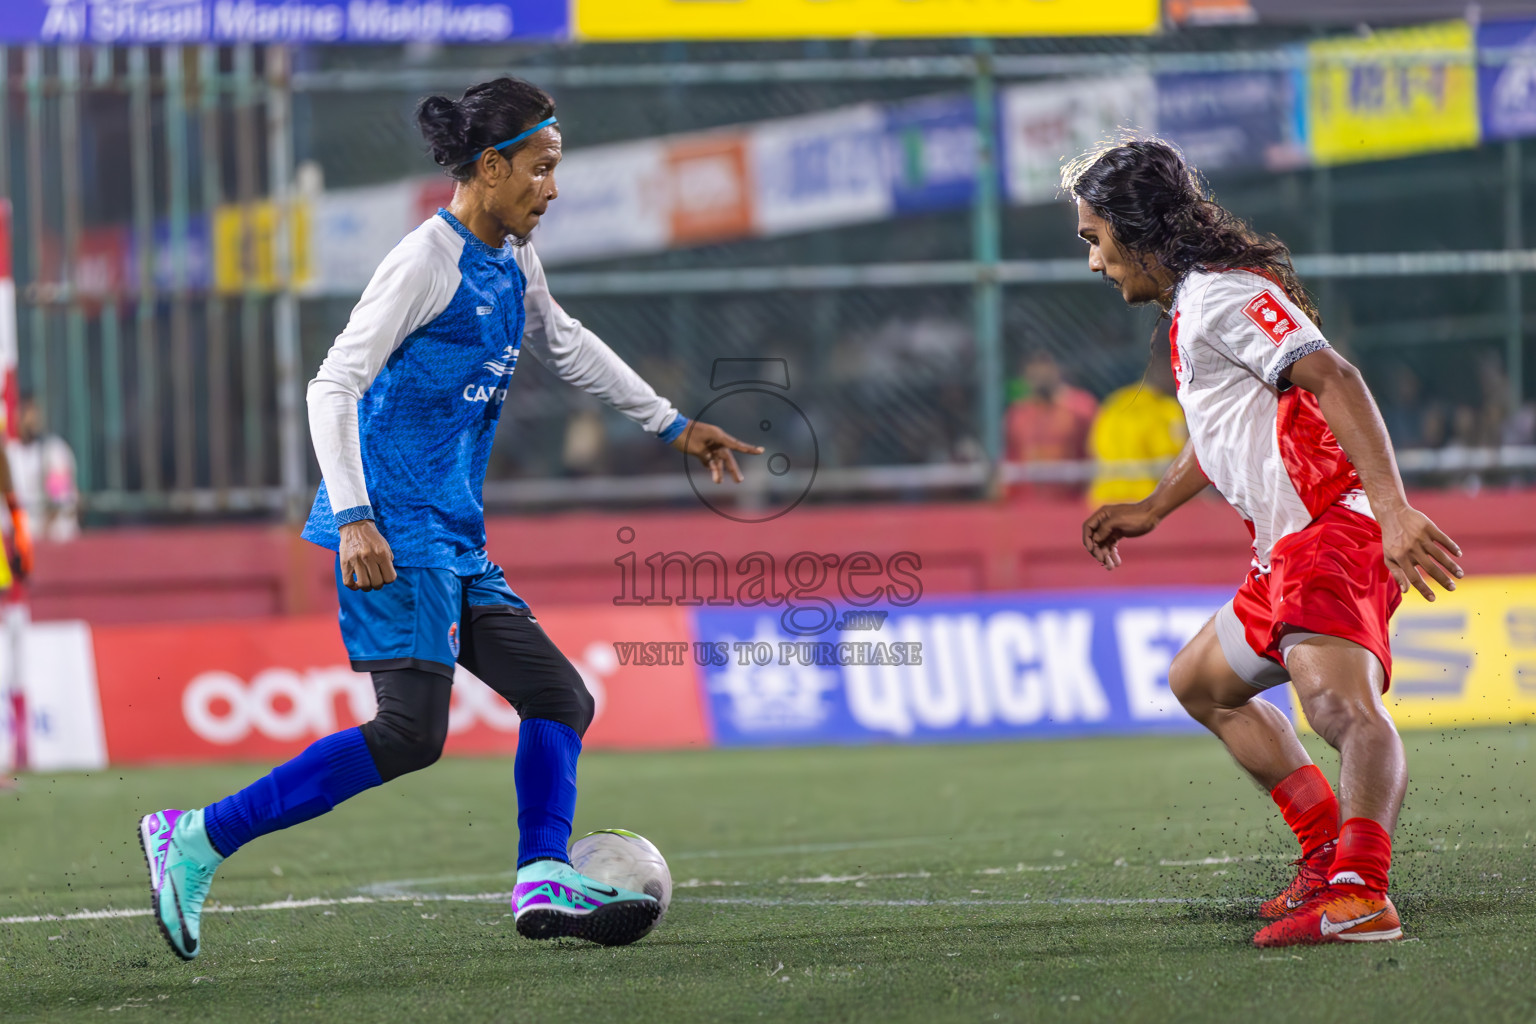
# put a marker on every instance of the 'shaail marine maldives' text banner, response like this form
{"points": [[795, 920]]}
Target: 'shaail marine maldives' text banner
{"points": [[799, 19], [127, 22]]}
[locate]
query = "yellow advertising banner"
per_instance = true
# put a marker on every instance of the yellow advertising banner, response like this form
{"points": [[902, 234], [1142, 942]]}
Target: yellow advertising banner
{"points": [[245, 247], [799, 19], [1467, 659], [1394, 93]]}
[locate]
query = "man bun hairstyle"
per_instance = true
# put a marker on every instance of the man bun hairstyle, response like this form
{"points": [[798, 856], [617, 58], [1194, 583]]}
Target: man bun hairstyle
{"points": [[458, 131], [1161, 210]]}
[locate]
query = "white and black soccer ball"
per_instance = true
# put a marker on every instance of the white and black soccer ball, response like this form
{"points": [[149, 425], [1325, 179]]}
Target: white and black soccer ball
{"points": [[623, 858]]}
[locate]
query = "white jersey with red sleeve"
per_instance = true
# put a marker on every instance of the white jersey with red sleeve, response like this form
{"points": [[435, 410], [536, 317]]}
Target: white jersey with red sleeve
{"points": [[1262, 442]]}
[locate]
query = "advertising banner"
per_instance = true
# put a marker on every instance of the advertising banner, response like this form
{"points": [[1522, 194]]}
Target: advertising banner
{"points": [[931, 153], [953, 668], [58, 682], [195, 271], [263, 690], [1229, 119], [1393, 93], [1352, 13], [1046, 125], [1467, 659], [1506, 89], [244, 241], [103, 262], [124, 22], [613, 202], [819, 171], [353, 231], [711, 196], [939, 669], [798, 19]]}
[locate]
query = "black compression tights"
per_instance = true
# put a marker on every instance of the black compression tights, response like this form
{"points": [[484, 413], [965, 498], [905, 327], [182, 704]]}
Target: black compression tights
{"points": [[511, 654]]}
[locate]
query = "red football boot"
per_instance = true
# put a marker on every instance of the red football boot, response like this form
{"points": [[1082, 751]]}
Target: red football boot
{"points": [[1338, 913], [1312, 873]]}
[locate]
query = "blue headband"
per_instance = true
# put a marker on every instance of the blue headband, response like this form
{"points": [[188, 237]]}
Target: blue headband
{"points": [[518, 138]]}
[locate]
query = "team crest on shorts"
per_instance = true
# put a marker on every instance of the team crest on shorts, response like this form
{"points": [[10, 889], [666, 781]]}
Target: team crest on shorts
{"points": [[453, 639]]}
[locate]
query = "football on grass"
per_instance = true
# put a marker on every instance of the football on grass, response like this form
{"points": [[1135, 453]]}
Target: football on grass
{"points": [[622, 858]]}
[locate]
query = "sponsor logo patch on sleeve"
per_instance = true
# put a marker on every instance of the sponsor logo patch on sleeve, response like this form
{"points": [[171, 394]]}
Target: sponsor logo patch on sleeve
{"points": [[1269, 316]]}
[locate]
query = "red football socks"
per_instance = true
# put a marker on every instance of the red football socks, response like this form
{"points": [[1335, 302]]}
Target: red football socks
{"points": [[1364, 855], [1309, 806]]}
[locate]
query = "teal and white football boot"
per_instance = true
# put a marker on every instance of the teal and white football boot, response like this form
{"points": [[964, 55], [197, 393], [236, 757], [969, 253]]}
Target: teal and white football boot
{"points": [[181, 865], [553, 900]]}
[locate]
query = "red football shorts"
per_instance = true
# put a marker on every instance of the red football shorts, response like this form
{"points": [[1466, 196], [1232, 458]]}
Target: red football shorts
{"points": [[1329, 578]]}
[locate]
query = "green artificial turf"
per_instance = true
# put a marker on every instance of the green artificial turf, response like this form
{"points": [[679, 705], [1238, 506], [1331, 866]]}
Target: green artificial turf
{"points": [[1093, 880]]}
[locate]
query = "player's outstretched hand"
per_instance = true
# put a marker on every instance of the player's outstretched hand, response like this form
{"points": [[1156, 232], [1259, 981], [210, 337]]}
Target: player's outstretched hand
{"points": [[1103, 530], [367, 563], [1414, 546], [713, 447]]}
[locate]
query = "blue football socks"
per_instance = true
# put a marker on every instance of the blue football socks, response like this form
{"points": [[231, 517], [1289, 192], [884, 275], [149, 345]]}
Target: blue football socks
{"points": [[545, 773], [329, 771]]}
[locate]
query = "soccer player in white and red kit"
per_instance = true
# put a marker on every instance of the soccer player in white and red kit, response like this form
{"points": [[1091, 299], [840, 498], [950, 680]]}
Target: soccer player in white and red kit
{"points": [[1286, 430]]}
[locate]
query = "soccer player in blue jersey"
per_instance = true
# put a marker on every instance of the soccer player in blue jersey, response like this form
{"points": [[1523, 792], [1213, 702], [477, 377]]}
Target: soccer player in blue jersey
{"points": [[402, 413]]}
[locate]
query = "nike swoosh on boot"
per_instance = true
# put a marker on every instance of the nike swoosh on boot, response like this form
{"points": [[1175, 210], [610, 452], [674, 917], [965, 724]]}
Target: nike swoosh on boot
{"points": [[186, 937], [1332, 927]]}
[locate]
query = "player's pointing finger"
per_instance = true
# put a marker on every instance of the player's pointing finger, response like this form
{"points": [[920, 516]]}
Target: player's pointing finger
{"points": [[740, 446]]}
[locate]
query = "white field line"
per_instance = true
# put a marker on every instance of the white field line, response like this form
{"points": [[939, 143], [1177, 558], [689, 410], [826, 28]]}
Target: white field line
{"points": [[863, 844], [406, 890], [288, 904], [744, 901], [405, 887], [496, 897]]}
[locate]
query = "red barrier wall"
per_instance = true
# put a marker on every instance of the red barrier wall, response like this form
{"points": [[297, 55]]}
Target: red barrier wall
{"points": [[263, 689], [231, 572]]}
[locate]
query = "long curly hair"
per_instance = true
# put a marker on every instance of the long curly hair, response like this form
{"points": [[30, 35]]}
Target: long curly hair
{"points": [[1160, 209]]}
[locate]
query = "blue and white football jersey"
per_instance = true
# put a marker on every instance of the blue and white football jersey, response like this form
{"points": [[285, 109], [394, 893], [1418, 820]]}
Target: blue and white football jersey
{"points": [[404, 408]]}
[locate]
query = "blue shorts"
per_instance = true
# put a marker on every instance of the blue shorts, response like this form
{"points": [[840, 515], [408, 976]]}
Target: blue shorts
{"points": [[418, 620]]}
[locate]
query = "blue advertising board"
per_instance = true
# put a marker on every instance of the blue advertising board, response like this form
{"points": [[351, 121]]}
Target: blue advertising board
{"points": [[198, 269], [982, 667], [931, 153], [1227, 119], [281, 21], [1506, 88]]}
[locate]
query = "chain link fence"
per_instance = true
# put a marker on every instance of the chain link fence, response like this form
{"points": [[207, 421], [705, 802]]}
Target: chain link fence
{"points": [[182, 394]]}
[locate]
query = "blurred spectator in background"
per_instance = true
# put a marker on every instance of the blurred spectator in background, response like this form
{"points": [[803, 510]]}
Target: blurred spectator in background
{"points": [[1049, 423], [1493, 409], [1138, 430], [586, 442], [1403, 412], [43, 474]]}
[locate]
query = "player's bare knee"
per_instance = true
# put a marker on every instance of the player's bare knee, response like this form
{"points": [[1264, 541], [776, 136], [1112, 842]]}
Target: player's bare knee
{"points": [[1191, 688], [1334, 716]]}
